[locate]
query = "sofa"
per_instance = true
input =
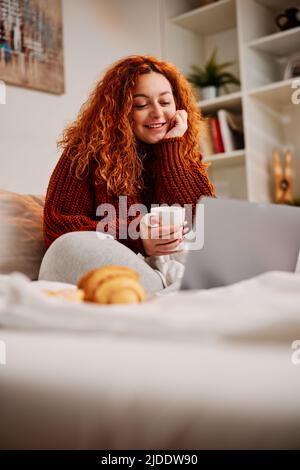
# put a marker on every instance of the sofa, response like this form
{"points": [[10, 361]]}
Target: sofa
{"points": [[21, 233]]}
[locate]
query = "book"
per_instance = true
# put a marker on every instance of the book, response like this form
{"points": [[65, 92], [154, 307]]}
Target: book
{"points": [[207, 144], [216, 134], [231, 127]]}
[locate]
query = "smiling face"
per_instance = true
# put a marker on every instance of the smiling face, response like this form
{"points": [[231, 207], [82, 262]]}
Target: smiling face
{"points": [[153, 107]]}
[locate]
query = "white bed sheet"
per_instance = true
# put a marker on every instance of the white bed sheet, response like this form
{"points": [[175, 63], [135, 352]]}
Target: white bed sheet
{"points": [[201, 370]]}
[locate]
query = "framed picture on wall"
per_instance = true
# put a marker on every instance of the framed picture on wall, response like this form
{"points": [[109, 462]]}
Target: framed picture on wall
{"points": [[31, 44], [292, 69]]}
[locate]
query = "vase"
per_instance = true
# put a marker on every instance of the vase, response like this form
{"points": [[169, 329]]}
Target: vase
{"points": [[209, 92], [289, 18]]}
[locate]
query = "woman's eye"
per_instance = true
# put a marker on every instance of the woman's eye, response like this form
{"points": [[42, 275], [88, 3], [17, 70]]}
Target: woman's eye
{"points": [[141, 106]]}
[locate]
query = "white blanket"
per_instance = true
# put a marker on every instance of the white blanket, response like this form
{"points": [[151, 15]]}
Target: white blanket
{"points": [[265, 307], [189, 370]]}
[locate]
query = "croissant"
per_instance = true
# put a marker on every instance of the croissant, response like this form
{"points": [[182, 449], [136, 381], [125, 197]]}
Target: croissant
{"points": [[76, 295], [112, 285]]}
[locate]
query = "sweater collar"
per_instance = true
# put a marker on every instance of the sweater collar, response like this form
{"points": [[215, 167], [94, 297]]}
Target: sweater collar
{"points": [[144, 151]]}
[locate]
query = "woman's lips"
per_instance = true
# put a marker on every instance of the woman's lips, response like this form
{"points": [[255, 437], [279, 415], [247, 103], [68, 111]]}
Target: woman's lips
{"points": [[155, 127]]}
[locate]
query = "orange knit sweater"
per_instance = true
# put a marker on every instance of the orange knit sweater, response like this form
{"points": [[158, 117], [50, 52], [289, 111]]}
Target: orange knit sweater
{"points": [[71, 203]]}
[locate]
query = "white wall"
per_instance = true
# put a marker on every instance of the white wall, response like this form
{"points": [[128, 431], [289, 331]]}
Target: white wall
{"points": [[96, 33]]}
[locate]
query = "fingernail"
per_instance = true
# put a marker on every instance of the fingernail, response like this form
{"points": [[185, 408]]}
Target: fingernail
{"points": [[154, 222]]}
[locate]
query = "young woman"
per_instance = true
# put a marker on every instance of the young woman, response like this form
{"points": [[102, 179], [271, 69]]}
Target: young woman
{"points": [[134, 143]]}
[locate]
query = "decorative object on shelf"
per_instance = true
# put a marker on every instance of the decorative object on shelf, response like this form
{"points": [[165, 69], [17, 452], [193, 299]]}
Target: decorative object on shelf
{"points": [[282, 177], [289, 18], [232, 132], [295, 201], [292, 69], [212, 76], [209, 92], [31, 45]]}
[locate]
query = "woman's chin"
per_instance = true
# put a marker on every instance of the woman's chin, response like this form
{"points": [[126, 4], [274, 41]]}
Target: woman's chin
{"points": [[154, 139]]}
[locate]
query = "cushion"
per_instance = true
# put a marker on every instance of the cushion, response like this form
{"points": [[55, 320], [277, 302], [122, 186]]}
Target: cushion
{"points": [[21, 233]]}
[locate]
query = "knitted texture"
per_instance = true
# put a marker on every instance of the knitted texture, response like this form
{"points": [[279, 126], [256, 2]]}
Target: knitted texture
{"points": [[71, 203]]}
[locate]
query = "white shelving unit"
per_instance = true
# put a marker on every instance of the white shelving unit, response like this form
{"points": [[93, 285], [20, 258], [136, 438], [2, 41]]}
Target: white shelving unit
{"points": [[278, 44], [203, 20], [230, 101], [276, 94], [223, 160], [244, 31]]}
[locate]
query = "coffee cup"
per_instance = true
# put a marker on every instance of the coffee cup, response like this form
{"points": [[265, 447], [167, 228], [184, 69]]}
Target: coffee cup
{"points": [[166, 215]]}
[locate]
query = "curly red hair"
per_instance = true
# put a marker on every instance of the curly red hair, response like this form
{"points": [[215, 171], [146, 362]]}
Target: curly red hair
{"points": [[102, 130]]}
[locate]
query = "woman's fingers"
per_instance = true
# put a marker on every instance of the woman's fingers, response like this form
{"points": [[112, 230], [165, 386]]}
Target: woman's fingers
{"points": [[181, 124], [167, 248], [168, 238], [181, 117], [163, 240], [172, 123], [165, 231]]}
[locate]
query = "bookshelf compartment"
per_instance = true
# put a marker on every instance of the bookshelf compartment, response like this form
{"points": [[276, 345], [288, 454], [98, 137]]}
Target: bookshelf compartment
{"points": [[222, 160], [196, 48], [281, 44], [278, 5], [209, 19], [258, 17], [231, 101], [276, 126], [224, 134], [249, 35], [264, 69], [229, 181], [276, 95]]}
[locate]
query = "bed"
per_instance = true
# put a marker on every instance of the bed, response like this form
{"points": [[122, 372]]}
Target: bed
{"points": [[214, 369], [217, 369]]}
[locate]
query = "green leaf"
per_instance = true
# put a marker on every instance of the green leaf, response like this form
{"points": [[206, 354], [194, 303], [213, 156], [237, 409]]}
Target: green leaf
{"points": [[212, 73]]}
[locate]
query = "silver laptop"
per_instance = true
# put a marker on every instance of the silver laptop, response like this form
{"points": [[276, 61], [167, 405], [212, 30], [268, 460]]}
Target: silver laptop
{"points": [[241, 240]]}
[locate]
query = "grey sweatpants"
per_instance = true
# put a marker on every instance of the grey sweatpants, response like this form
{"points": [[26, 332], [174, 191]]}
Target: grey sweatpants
{"points": [[74, 253]]}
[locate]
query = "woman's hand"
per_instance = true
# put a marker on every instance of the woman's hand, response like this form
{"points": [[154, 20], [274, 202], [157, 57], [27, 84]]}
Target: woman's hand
{"points": [[178, 124], [161, 240]]}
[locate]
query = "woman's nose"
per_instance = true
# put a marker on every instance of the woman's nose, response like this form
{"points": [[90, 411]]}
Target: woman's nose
{"points": [[156, 111]]}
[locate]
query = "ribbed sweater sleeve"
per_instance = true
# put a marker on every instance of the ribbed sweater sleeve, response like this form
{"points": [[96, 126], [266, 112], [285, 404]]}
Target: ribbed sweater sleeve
{"points": [[177, 184], [69, 204]]}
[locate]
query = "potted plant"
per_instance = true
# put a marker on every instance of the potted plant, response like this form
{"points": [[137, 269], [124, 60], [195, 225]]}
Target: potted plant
{"points": [[212, 76]]}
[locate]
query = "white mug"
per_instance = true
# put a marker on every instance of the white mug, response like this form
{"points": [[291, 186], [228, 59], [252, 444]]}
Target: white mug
{"points": [[167, 215]]}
